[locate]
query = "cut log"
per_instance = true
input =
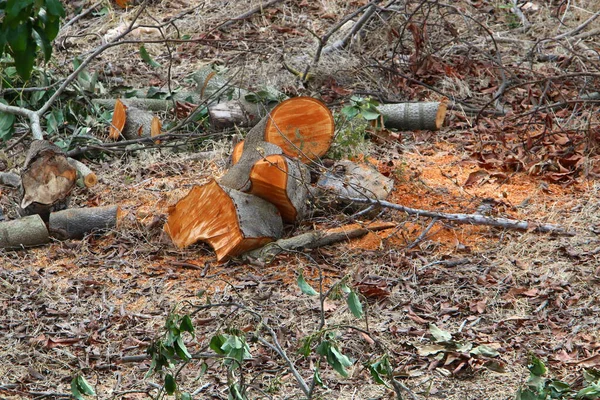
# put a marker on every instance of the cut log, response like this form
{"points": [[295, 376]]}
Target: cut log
{"points": [[302, 126], [282, 182], [230, 221], [23, 232], [85, 176], [47, 180], [75, 223], [346, 179], [238, 176], [237, 152], [414, 116]]}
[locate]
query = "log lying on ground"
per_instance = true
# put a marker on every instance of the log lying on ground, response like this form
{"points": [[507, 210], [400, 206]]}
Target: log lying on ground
{"points": [[414, 116], [312, 240], [85, 176], [75, 223], [347, 179], [131, 122], [238, 176], [23, 232], [230, 221], [47, 180], [282, 182]]}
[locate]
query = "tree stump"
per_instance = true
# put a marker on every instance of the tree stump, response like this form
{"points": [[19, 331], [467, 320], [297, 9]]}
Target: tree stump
{"points": [[46, 180]]}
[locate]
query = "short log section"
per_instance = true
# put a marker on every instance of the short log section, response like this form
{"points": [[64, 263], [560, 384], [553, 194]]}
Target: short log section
{"points": [[75, 223], [414, 116], [23, 232], [283, 182], [231, 222]]}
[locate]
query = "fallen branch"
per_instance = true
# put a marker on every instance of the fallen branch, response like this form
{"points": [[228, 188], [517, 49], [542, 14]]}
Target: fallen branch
{"points": [[473, 219], [312, 240]]}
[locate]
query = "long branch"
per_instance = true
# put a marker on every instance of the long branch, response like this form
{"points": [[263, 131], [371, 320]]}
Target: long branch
{"points": [[473, 219]]}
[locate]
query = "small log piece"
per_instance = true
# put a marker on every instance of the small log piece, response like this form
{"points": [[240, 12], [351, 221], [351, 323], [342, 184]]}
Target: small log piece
{"points": [[23, 232], [230, 221], [47, 180], [283, 182], [414, 116], [346, 179], [75, 223], [85, 176]]}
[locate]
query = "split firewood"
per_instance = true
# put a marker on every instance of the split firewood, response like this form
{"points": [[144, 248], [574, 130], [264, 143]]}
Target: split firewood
{"points": [[238, 176], [414, 116], [46, 180], [313, 240], [230, 221], [75, 223], [283, 182], [348, 179], [23, 232]]}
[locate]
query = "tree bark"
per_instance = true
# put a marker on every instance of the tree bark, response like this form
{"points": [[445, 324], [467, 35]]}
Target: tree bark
{"points": [[414, 116], [75, 223], [23, 232]]}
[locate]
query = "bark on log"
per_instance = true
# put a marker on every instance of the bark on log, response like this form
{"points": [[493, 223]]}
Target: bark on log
{"points": [[46, 180], [347, 179], [414, 116], [23, 232], [75, 223], [230, 221], [85, 176], [284, 183]]}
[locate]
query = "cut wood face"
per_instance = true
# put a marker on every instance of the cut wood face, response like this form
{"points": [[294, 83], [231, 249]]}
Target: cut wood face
{"points": [[230, 221], [48, 179], [302, 126], [269, 178], [118, 120]]}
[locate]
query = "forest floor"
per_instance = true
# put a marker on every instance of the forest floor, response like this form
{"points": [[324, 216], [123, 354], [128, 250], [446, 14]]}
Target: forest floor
{"points": [[83, 307]]}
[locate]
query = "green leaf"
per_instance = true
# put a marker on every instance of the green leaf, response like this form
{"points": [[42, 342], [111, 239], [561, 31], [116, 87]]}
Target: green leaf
{"points": [[350, 111], [317, 378], [7, 121], [84, 386], [42, 41], [591, 375], [186, 325], [341, 362], [526, 394], [536, 366], [14, 8], [51, 27], [170, 384], [305, 349], [438, 334], [181, 349], [185, 396], [18, 37], [355, 305], [304, 286], [75, 390], [55, 8], [146, 57], [370, 113], [216, 342]]}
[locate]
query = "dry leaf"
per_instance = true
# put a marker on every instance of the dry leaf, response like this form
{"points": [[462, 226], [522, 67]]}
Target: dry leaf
{"points": [[118, 120], [122, 3]]}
